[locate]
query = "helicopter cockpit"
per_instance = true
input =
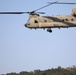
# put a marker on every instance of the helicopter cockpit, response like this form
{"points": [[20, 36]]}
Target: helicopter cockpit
{"points": [[32, 23]]}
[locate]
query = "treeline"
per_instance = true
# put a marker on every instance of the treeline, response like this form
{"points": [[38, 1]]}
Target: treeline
{"points": [[53, 71]]}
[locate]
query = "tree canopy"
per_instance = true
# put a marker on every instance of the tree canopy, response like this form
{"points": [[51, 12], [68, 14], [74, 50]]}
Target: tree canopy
{"points": [[53, 71]]}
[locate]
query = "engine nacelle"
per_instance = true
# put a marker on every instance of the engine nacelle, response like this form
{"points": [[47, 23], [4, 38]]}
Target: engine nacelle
{"points": [[74, 11]]}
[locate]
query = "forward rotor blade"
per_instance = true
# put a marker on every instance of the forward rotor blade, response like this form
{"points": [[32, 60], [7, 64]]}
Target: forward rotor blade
{"points": [[45, 6], [13, 12], [40, 12], [20, 12], [61, 3]]}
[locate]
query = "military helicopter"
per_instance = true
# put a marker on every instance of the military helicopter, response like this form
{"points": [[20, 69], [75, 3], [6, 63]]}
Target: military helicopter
{"points": [[36, 21]]}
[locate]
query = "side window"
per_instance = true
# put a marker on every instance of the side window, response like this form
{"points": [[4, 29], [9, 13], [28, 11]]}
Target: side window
{"points": [[35, 21], [72, 19], [63, 20], [66, 20], [45, 20]]}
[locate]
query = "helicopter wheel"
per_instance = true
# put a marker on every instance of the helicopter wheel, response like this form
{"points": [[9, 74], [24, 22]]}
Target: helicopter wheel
{"points": [[49, 30]]}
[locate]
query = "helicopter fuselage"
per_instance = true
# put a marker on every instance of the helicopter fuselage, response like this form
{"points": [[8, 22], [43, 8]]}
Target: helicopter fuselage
{"points": [[37, 21]]}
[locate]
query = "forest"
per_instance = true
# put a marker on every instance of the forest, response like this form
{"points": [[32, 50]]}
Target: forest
{"points": [[53, 71]]}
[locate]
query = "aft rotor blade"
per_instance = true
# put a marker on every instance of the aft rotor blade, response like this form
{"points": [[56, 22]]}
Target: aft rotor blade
{"points": [[46, 6], [13, 12], [62, 3]]}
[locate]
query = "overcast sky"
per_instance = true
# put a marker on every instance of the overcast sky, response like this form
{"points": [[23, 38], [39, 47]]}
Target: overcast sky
{"points": [[22, 49]]}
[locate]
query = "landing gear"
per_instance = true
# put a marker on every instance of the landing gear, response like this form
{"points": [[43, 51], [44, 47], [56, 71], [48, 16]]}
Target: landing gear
{"points": [[49, 30]]}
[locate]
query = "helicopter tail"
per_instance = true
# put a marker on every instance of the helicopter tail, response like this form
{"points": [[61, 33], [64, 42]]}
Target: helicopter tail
{"points": [[74, 11]]}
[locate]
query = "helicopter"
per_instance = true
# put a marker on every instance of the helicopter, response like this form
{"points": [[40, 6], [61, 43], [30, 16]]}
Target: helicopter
{"points": [[36, 21]]}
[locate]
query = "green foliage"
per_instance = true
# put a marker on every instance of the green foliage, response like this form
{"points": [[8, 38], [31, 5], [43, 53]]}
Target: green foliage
{"points": [[23, 73], [56, 71], [11, 74]]}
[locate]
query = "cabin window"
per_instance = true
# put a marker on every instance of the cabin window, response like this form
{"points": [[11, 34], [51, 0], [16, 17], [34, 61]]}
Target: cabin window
{"points": [[72, 19], [45, 20], [36, 21], [66, 19], [63, 20]]}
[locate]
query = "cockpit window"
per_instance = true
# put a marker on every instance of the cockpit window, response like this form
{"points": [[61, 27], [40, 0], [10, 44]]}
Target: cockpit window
{"points": [[36, 21]]}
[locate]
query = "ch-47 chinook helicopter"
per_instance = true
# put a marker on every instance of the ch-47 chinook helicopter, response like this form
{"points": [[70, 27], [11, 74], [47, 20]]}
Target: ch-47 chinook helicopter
{"points": [[36, 21]]}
